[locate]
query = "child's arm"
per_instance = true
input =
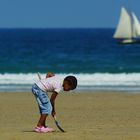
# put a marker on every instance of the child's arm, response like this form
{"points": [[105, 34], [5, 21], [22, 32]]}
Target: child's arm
{"points": [[53, 97], [50, 74]]}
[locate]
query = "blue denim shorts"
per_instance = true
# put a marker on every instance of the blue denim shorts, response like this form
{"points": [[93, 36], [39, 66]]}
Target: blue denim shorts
{"points": [[43, 100]]}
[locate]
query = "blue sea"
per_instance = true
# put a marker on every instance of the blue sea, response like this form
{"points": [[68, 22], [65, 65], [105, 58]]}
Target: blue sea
{"points": [[92, 55]]}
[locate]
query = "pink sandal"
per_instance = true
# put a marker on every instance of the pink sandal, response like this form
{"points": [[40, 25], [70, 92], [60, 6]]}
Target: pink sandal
{"points": [[43, 129]]}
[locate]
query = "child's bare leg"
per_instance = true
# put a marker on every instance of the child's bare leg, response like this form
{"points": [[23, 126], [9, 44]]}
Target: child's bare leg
{"points": [[42, 120], [44, 123]]}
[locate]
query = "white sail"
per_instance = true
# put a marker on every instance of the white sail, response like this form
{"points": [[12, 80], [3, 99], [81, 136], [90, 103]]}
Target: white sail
{"points": [[136, 26], [124, 28]]}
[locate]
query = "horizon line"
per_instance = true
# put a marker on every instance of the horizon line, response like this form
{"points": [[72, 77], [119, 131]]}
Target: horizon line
{"points": [[57, 27]]}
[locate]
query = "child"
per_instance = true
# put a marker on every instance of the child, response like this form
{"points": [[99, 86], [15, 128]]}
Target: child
{"points": [[52, 84]]}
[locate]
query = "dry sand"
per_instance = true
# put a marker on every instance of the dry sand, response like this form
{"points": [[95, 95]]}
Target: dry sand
{"points": [[85, 116]]}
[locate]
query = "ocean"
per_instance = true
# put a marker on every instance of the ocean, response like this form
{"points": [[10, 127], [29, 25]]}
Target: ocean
{"points": [[92, 55]]}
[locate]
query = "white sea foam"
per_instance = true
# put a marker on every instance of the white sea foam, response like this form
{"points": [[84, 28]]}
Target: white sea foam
{"points": [[83, 79], [100, 80]]}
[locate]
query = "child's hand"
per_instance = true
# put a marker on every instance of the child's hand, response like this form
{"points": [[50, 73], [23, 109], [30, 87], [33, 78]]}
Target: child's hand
{"points": [[49, 74], [53, 113]]}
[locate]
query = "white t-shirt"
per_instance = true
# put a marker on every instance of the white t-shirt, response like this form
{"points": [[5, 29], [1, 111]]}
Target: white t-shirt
{"points": [[50, 84]]}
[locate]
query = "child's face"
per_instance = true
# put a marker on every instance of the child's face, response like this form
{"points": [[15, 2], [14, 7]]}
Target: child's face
{"points": [[66, 86]]}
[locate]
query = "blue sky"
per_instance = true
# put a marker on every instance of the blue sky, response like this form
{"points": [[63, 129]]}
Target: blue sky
{"points": [[63, 13]]}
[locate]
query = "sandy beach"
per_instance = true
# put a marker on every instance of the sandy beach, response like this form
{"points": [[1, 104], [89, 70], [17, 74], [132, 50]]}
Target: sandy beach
{"points": [[84, 116]]}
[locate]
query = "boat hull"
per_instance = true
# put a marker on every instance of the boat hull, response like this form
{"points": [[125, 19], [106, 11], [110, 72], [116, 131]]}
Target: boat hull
{"points": [[129, 41]]}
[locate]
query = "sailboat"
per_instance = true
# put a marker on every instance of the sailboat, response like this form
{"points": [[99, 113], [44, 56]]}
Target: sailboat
{"points": [[128, 29]]}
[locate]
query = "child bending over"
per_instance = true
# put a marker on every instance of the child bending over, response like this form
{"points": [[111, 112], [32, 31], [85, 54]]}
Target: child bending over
{"points": [[46, 106]]}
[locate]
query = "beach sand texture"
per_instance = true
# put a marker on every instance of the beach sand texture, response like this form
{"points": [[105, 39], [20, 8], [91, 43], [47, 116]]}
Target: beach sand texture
{"points": [[85, 116]]}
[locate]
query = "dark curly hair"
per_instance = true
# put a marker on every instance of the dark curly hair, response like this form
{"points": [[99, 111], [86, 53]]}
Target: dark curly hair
{"points": [[72, 81]]}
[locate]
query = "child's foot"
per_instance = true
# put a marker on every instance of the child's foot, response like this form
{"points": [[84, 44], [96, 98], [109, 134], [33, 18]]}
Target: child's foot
{"points": [[37, 129], [43, 129], [47, 129]]}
